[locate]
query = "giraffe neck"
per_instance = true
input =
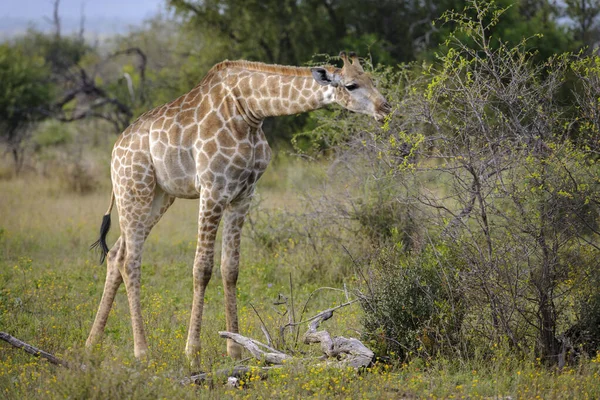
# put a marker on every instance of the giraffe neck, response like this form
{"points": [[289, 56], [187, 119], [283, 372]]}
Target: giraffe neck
{"points": [[261, 94]]}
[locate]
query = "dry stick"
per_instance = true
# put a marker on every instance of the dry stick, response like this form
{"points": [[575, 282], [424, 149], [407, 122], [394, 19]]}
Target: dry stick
{"points": [[32, 350], [322, 312], [358, 268], [287, 309], [293, 314], [263, 327]]}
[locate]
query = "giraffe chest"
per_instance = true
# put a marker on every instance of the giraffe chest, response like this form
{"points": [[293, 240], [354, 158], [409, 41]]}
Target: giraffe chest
{"points": [[228, 168]]}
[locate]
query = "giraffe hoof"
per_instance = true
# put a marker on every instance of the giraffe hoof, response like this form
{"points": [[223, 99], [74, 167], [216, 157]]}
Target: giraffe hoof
{"points": [[194, 363], [193, 356], [91, 343], [234, 350], [141, 355]]}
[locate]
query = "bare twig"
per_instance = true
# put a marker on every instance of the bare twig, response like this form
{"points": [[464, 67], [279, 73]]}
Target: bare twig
{"points": [[293, 313], [263, 327], [319, 315], [357, 267]]}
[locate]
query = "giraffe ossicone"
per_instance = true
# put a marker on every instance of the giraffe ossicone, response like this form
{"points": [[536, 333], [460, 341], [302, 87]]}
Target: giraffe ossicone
{"points": [[208, 144]]}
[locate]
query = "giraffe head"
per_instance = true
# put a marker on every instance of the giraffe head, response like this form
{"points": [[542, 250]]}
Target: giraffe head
{"points": [[353, 89]]}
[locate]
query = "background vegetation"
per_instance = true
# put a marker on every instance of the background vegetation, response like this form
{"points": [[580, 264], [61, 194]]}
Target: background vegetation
{"points": [[468, 225]]}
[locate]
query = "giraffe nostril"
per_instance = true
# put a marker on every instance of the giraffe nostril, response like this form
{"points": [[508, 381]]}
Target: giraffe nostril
{"points": [[385, 107]]}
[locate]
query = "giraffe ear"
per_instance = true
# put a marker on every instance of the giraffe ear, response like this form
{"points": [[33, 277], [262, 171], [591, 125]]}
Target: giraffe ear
{"points": [[324, 77]]}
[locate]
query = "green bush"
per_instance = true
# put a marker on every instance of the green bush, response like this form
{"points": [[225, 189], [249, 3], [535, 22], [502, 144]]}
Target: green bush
{"points": [[412, 307]]}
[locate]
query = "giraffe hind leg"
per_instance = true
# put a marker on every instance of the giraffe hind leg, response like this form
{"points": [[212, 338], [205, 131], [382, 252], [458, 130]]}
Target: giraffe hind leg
{"points": [[113, 280], [117, 259], [139, 219]]}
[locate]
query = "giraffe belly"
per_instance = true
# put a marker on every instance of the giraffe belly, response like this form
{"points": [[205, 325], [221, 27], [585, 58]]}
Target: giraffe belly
{"points": [[176, 172]]}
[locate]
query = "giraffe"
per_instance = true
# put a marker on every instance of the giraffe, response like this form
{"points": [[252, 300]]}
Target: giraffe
{"points": [[208, 144]]}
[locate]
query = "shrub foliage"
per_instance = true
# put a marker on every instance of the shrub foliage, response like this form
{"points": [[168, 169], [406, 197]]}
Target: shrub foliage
{"points": [[479, 196]]}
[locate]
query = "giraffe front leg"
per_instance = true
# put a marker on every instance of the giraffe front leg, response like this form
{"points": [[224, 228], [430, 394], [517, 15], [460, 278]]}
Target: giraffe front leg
{"points": [[208, 223], [233, 221]]}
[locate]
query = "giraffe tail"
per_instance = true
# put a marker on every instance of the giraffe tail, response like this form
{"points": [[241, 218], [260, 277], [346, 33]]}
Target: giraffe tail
{"points": [[104, 228]]}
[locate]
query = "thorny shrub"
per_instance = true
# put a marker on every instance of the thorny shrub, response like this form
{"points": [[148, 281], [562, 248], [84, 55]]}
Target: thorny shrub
{"points": [[490, 162]]}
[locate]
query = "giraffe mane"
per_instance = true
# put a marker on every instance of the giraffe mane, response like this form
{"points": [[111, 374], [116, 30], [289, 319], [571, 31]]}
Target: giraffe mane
{"points": [[262, 67]]}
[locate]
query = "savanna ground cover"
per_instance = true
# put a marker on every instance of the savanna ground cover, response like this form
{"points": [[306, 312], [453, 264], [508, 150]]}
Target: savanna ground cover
{"points": [[467, 225], [51, 284]]}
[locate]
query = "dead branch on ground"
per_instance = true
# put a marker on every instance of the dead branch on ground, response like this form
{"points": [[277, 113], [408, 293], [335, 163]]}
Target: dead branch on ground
{"points": [[32, 350], [348, 351]]}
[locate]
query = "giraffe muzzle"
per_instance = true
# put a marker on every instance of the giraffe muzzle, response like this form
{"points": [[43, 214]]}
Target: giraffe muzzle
{"points": [[383, 111]]}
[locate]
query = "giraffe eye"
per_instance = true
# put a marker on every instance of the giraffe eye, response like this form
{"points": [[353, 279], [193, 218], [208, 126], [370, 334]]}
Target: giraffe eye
{"points": [[352, 86]]}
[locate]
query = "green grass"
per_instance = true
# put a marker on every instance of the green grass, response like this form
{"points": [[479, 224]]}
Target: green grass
{"points": [[50, 286]]}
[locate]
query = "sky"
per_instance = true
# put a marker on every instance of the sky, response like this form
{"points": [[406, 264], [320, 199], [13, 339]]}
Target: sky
{"points": [[102, 16]]}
